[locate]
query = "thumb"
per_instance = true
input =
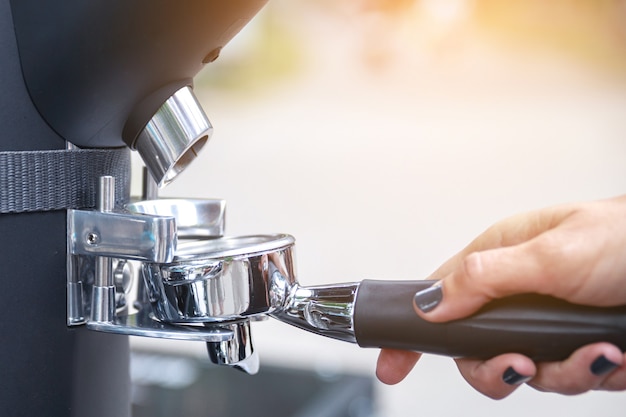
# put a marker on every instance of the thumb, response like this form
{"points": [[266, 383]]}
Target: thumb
{"points": [[483, 276]]}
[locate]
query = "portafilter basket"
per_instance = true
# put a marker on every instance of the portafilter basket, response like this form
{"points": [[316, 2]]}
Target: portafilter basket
{"points": [[224, 279]]}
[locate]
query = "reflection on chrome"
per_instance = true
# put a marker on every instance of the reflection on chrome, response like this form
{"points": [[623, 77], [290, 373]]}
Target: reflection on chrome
{"points": [[325, 310], [174, 136], [189, 282], [222, 280], [238, 351]]}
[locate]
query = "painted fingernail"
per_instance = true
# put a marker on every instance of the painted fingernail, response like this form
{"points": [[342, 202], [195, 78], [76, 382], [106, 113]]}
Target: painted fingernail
{"points": [[602, 366], [512, 377], [429, 298]]}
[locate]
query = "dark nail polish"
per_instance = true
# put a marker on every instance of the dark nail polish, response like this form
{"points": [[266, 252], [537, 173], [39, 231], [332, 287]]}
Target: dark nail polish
{"points": [[602, 366], [512, 377], [426, 300]]}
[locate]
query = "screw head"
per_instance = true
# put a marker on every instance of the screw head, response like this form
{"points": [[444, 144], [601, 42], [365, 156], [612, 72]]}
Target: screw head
{"points": [[93, 238], [212, 56]]}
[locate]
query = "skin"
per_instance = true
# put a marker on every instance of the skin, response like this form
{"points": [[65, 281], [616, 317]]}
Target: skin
{"points": [[575, 252]]}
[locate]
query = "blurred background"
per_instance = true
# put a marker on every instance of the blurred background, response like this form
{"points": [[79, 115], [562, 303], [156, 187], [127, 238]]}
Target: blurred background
{"points": [[385, 135]]}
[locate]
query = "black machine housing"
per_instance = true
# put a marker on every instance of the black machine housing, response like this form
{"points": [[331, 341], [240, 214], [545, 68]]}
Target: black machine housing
{"points": [[91, 73]]}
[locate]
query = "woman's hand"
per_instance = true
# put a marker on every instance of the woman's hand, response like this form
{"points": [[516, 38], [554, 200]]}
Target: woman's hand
{"points": [[575, 252]]}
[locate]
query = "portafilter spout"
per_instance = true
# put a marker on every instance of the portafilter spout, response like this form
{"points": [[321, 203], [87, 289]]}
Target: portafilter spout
{"points": [[229, 280], [237, 352]]}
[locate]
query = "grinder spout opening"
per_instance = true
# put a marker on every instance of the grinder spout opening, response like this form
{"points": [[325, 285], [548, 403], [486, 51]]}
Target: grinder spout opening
{"points": [[174, 136]]}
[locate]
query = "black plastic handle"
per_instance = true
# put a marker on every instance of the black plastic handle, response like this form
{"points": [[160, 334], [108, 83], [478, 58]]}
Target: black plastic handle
{"points": [[540, 327]]}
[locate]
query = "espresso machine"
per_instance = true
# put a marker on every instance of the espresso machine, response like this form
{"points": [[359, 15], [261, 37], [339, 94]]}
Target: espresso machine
{"points": [[85, 83]]}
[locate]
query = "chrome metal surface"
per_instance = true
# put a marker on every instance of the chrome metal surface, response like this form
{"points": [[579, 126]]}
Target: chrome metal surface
{"points": [[238, 351], [174, 136], [202, 287], [149, 187], [103, 291], [105, 254], [129, 291], [232, 247], [325, 310], [105, 251], [121, 235], [102, 304], [222, 279], [143, 324], [105, 203], [75, 310], [105, 200], [195, 218], [229, 279]]}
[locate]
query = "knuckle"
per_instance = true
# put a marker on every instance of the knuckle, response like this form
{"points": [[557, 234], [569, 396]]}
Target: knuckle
{"points": [[477, 278], [473, 266], [482, 275]]}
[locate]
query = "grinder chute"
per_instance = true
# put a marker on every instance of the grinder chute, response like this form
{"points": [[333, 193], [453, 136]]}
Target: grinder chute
{"points": [[107, 74], [173, 136]]}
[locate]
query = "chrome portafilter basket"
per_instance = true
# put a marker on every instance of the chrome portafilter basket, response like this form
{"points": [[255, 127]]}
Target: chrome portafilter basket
{"points": [[163, 268], [230, 281], [222, 280]]}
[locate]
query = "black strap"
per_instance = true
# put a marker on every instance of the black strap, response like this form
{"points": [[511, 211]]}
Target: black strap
{"points": [[60, 179]]}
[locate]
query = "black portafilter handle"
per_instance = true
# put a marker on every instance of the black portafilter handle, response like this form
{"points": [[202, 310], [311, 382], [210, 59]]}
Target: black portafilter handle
{"points": [[541, 327]]}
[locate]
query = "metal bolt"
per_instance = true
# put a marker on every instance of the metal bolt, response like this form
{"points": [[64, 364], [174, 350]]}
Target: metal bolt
{"points": [[93, 238]]}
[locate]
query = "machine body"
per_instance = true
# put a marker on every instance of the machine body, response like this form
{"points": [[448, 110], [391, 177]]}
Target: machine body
{"points": [[79, 77], [99, 72]]}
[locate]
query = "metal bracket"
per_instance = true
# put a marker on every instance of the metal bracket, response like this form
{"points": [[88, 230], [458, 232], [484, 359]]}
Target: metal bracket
{"points": [[139, 237], [107, 253], [104, 284]]}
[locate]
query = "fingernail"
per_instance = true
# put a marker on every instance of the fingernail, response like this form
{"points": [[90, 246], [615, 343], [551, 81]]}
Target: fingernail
{"points": [[602, 366], [429, 298], [512, 377]]}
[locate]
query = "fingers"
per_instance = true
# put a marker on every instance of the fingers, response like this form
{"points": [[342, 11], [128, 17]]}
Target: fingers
{"points": [[515, 255], [497, 377], [600, 366], [569, 252], [394, 365], [615, 380], [483, 276], [508, 232]]}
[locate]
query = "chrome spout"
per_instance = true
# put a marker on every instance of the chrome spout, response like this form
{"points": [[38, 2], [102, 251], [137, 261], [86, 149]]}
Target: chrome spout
{"points": [[174, 136], [238, 351]]}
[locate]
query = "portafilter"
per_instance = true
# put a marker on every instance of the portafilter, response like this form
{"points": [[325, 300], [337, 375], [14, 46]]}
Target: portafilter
{"points": [[232, 279]]}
